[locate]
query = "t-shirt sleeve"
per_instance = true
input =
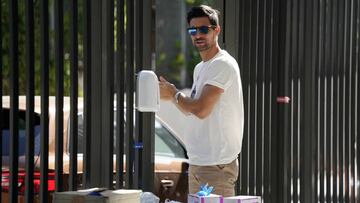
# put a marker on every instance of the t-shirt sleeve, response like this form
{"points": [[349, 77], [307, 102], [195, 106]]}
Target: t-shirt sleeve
{"points": [[220, 74]]}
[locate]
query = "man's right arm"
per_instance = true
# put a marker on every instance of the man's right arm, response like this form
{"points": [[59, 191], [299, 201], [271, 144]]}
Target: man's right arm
{"points": [[202, 106]]}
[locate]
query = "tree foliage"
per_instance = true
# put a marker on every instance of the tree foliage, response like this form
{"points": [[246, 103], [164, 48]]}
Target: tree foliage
{"points": [[5, 27]]}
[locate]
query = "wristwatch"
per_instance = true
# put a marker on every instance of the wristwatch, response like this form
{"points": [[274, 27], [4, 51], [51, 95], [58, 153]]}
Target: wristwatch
{"points": [[176, 97]]}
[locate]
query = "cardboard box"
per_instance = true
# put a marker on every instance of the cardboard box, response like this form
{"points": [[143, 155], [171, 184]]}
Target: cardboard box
{"points": [[212, 198], [242, 199], [98, 195]]}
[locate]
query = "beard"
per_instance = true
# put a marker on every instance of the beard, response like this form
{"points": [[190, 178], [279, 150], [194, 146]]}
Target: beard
{"points": [[201, 45], [202, 48]]}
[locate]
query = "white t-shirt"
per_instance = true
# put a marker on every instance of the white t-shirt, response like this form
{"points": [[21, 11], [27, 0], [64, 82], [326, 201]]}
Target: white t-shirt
{"points": [[217, 139]]}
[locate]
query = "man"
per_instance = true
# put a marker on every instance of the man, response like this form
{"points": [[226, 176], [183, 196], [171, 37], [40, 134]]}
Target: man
{"points": [[215, 108]]}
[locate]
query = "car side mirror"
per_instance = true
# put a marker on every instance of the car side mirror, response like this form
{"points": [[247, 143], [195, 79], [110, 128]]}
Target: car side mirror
{"points": [[147, 92]]}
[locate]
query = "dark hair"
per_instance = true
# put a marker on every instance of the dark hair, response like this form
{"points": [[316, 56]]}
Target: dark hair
{"points": [[204, 11]]}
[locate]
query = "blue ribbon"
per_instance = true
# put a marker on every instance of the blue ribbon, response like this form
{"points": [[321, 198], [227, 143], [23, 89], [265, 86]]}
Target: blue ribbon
{"points": [[205, 190]]}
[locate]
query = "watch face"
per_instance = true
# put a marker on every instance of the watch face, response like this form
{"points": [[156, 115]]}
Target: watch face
{"points": [[193, 93], [177, 96]]}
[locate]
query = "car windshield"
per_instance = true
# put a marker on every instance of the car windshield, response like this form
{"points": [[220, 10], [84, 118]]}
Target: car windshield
{"points": [[166, 144]]}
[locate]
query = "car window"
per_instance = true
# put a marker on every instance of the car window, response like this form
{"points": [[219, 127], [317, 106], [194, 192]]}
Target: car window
{"points": [[80, 130], [5, 128], [165, 143]]}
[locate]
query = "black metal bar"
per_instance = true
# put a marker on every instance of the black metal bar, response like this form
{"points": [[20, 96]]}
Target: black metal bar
{"points": [[353, 104], [266, 95], [260, 77], [44, 140], [348, 97], [335, 125], [14, 100], [220, 6], [59, 69], [30, 91], [223, 34], [291, 65], [296, 99], [346, 67], [340, 61], [248, 112], [357, 88], [120, 90], [294, 37], [314, 61], [327, 100], [283, 109], [95, 96], [245, 70], [138, 115], [268, 101], [342, 104], [129, 93], [252, 104], [107, 92], [275, 183], [148, 119], [87, 94], [357, 113], [315, 50], [321, 105], [336, 107], [148, 154], [299, 43], [73, 179], [1, 92], [240, 8], [334, 122], [308, 138]]}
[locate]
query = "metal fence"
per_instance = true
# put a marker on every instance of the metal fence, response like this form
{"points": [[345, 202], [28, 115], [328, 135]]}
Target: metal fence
{"points": [[306, 150], [109, 59]]}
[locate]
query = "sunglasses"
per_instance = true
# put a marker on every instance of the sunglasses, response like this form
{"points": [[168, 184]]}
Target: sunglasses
{"points": [[202, 29]]}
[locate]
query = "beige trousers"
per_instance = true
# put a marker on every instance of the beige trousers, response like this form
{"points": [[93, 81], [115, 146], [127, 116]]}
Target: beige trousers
{"points": [[222, 177]]}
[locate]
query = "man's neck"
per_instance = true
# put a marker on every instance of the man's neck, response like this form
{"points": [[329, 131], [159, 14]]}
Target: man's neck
{"points": [[209, 54]]}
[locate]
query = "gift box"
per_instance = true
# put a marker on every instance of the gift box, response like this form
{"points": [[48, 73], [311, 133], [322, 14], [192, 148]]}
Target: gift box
{"points": [[212, 198], [242, 199], [98, 195]]}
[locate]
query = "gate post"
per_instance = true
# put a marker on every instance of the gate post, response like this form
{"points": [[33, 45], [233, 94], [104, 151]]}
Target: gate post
{"points": [[145, 49], [308, 139], [94, 139]]}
